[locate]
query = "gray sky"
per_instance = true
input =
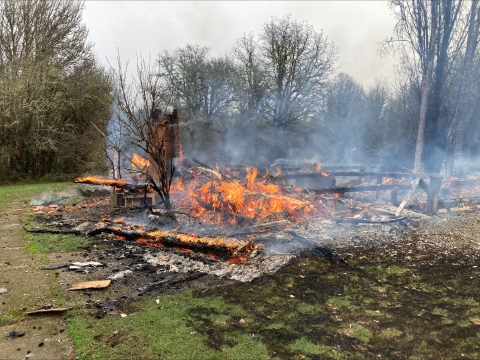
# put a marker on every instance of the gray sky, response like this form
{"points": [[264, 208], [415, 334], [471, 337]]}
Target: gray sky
{"points": [[355, 27]]}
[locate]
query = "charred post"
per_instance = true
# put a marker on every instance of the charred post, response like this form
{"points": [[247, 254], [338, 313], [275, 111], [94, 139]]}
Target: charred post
{"points": [[433, 194]]}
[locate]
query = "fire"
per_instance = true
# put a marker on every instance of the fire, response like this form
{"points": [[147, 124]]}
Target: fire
{"points": [[386, 181], [336, 195], [140, 162], [99, 181], [234, 200], [319, 167], [325, 174]]}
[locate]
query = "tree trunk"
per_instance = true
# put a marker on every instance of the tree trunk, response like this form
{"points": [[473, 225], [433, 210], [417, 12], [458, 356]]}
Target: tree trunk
{"points": [[434, 156], [456, 129], [426, 85]]}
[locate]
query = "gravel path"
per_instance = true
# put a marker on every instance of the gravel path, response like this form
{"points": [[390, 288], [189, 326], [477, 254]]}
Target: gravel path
{"points": [[28, 288]]}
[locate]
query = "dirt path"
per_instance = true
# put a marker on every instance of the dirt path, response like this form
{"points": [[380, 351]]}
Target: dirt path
{"points": [[31, 288]]}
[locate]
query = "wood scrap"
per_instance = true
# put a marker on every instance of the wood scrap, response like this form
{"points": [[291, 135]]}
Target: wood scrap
{"points": [[47, 311], [88, 263], [54, 266], [52, 231], [415, 184], [97, 284]]}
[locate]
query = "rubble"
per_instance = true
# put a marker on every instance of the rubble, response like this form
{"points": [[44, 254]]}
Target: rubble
{"points": [[231, 230]]}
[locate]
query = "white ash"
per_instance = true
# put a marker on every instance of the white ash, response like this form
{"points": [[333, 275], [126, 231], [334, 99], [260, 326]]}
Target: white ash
{"points": [[241, 272], [120, 275]]}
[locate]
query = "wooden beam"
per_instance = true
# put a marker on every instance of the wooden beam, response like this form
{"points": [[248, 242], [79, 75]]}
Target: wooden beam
{"points": [[407, 197], [344, 189]]}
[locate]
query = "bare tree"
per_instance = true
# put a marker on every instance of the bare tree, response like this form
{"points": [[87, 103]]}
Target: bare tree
{"points": [[456, 130], [43, 29], [450, 40], [137, 102], [299, 62], [427, 35], [252, 82], [203, 88]]}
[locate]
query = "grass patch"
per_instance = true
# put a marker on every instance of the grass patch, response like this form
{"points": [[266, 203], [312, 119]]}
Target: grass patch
{"points": [[357, 331], [306, 347], [172, 329], [390, 333], [47, 243], [438, 311], [12, 192]]}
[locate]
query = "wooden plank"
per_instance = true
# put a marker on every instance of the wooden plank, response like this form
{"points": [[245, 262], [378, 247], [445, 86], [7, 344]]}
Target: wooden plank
{"points": [[407, 197], [97, 284], [47, 311]]}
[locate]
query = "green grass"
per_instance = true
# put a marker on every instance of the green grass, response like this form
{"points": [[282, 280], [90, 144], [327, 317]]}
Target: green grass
{"points": [[47, 243], [11, 192], [172, 329]]}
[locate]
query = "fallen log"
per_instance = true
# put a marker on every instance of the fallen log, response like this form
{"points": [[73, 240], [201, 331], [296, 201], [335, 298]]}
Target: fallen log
{"points": [[210, 245]]}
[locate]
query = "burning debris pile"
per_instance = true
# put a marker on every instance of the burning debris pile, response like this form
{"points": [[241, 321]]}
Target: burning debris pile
{"points": [[238, 224]]}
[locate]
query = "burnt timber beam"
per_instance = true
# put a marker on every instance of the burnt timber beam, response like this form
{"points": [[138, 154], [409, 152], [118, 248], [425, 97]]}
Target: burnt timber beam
{"points": [[354, 173], [341, 190]]}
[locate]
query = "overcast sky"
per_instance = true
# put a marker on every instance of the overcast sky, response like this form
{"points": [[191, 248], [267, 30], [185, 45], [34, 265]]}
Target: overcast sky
{"points": [[356, 27]]}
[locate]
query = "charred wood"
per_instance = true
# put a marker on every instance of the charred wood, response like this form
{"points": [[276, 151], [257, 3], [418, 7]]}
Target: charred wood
{"points": [[344, 189], [52, 231], [318, 250], [355, 173]]}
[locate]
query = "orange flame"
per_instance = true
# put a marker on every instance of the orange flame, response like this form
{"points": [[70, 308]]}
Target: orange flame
{"points": [[386, 181], [99, 181], [319, 167], [140, 162], [252, 200]]}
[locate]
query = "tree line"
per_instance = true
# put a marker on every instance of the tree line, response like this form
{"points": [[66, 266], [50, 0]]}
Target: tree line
{"points": [[51, 86], [279, 94]]}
